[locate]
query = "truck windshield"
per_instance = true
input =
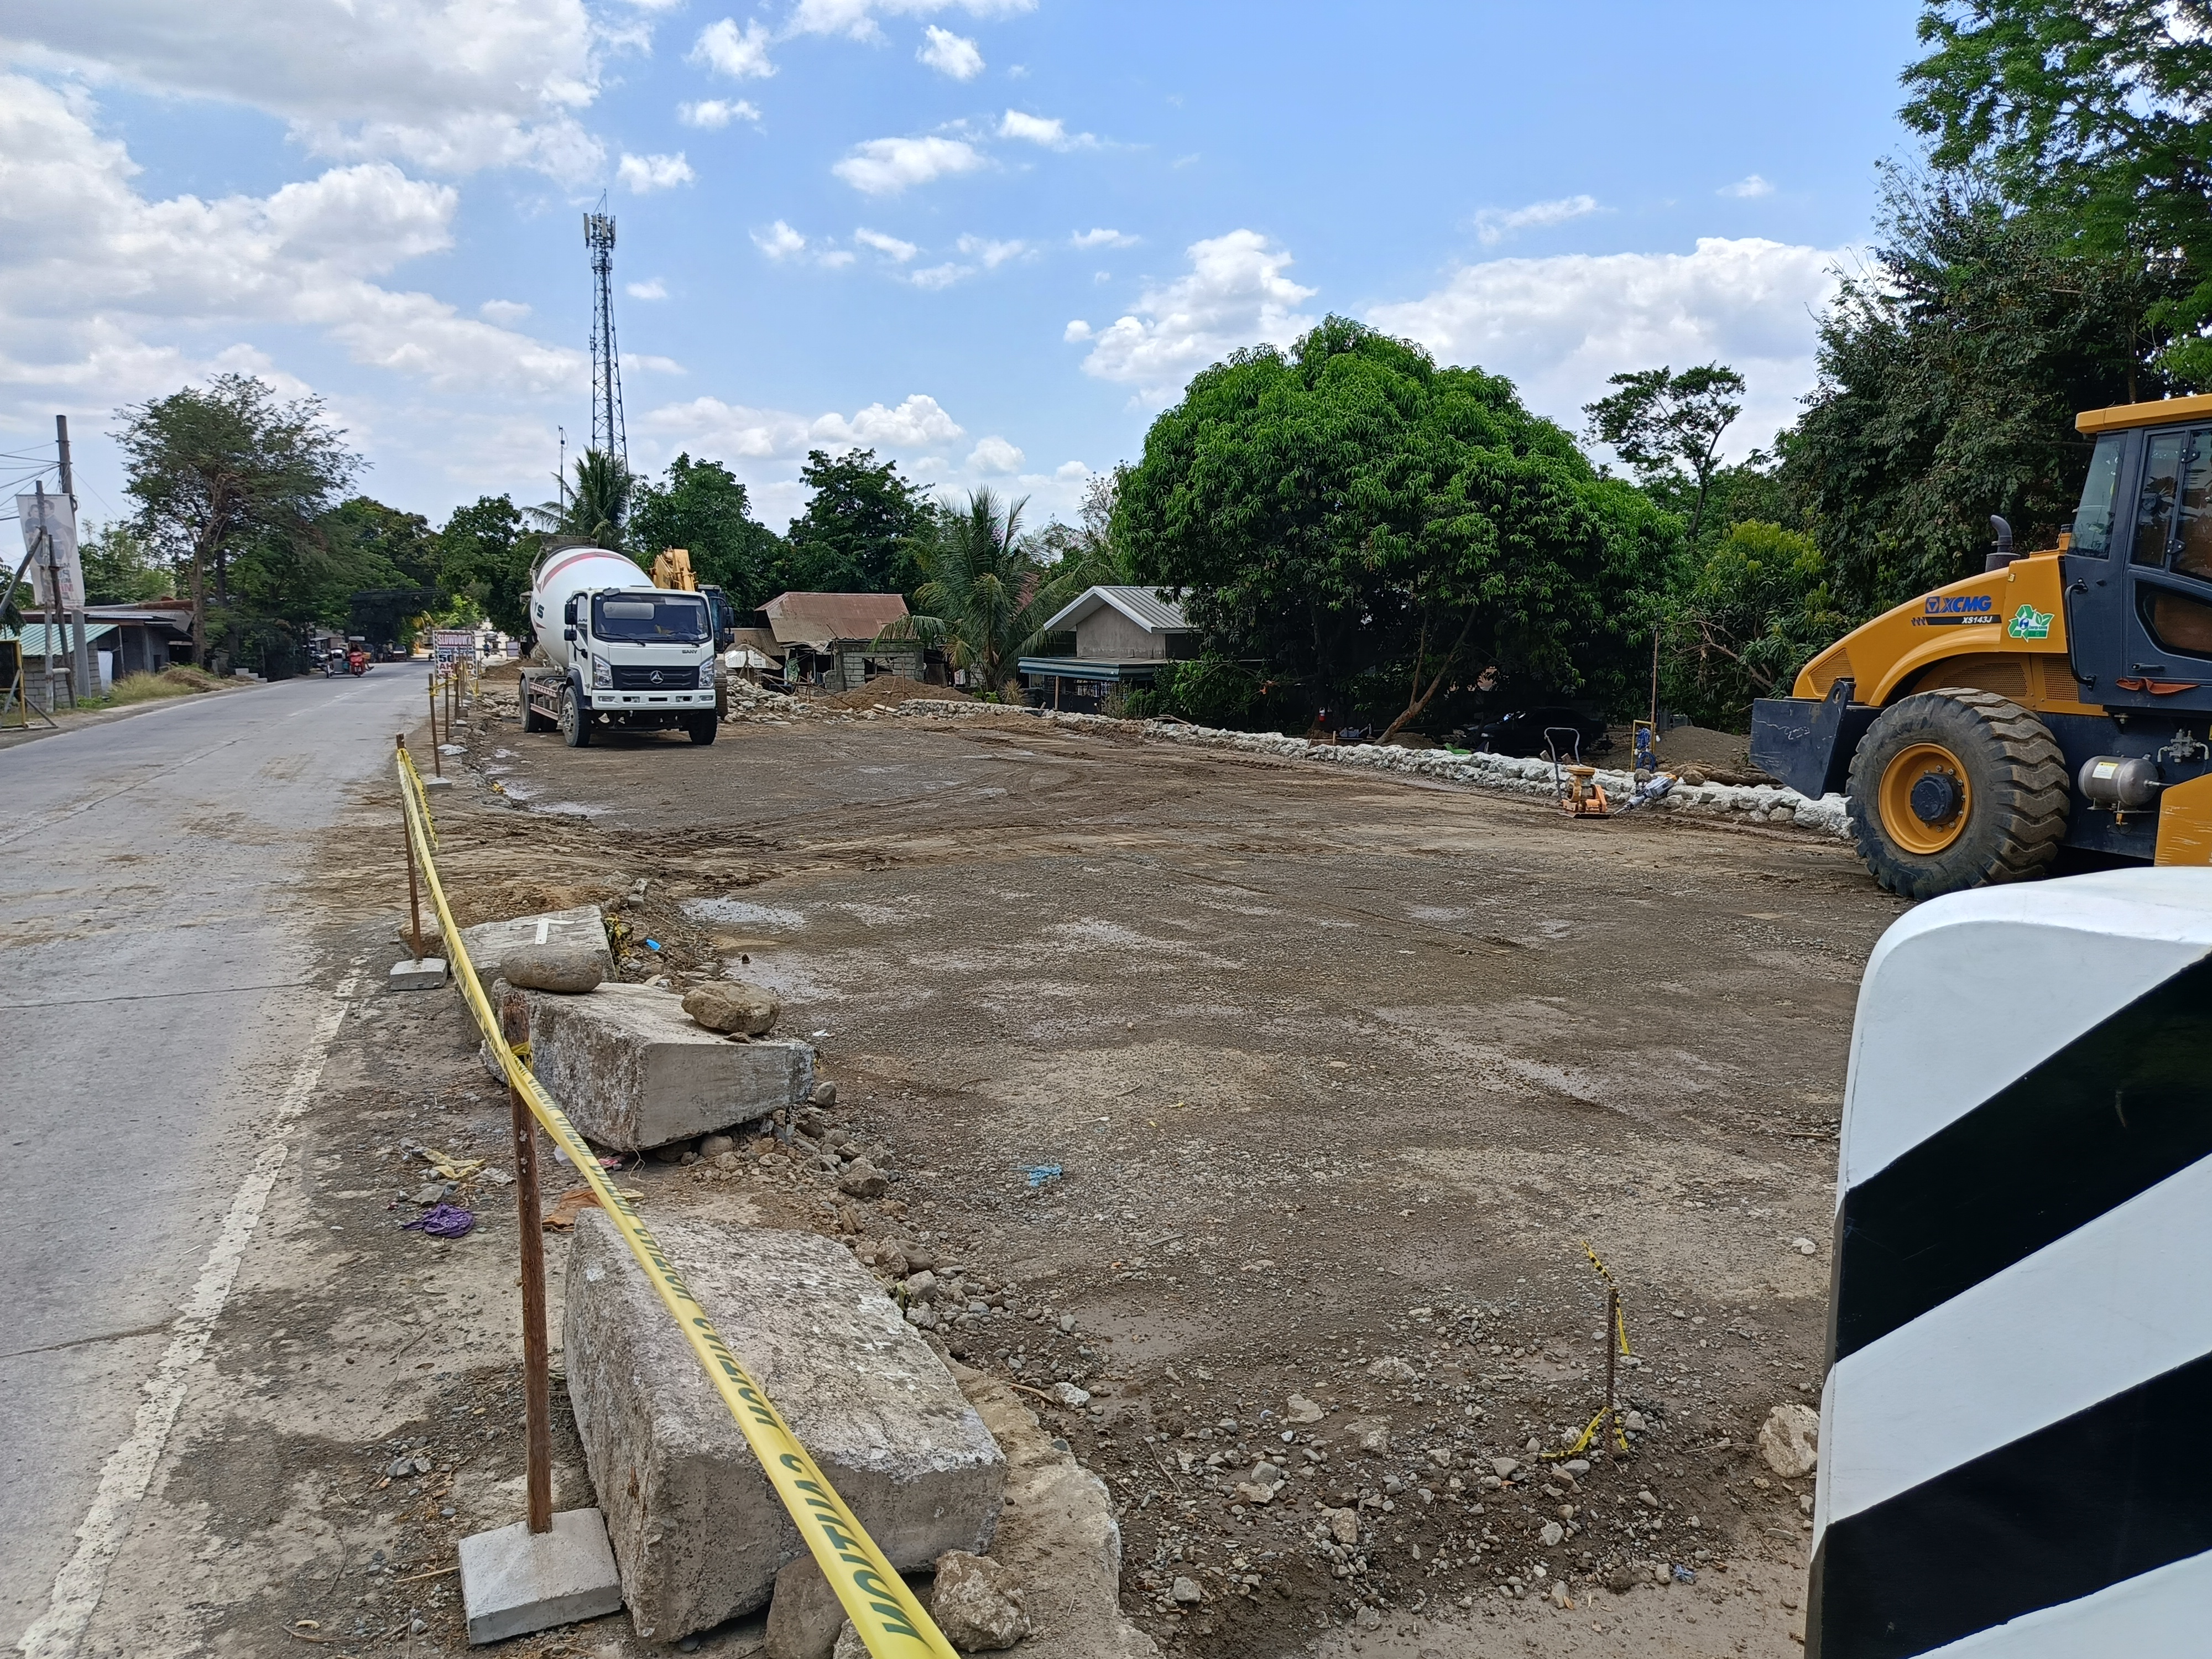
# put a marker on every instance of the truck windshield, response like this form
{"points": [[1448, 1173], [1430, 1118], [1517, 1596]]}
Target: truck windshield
{"points": [[658, 618], [2093, 522]]}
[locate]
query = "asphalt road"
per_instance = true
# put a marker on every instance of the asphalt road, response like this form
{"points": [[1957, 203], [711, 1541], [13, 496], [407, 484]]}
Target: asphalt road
{"points": [[158, 974]]}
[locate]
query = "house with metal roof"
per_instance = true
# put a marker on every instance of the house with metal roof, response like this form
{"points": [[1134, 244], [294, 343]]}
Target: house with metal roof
{"points": [[832, 638], [1124, 636]]}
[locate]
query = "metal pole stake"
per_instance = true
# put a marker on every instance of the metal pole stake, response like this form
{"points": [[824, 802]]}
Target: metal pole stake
{"points": [[514, 1025], [1610, 1433], [437, 768], [414, 896]]}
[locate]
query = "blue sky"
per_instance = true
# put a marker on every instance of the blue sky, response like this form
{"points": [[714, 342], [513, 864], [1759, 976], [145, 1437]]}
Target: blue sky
{"points": [[991, 239]]}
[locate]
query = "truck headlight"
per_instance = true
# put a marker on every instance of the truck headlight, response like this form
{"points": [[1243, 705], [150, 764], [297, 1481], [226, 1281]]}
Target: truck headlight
{"points": [[707, 675], [602, 675]]}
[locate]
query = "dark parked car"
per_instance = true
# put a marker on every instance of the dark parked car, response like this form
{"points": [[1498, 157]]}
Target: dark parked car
{"points": [[1521, 732]]}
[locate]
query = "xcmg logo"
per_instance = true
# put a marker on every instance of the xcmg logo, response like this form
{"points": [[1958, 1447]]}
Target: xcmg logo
{"points": [[1945, 604]]}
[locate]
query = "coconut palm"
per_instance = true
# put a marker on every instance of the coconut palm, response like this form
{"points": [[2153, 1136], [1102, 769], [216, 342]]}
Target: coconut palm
{"points": [[984, 598], [596, 508]]}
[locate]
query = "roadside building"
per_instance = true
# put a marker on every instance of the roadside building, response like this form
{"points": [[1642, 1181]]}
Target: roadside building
{"points": [[831, 640], [1122, 637]]}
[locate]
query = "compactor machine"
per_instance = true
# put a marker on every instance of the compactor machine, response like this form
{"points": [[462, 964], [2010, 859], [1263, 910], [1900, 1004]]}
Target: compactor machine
{"points": [[2059, 698]]}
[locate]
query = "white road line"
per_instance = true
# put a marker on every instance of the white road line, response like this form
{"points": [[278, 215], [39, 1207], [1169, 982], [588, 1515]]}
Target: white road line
{"points": [[130, 1467]]}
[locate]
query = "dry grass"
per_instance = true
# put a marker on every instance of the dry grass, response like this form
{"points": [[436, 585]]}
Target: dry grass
{"points": [[178, 682]]}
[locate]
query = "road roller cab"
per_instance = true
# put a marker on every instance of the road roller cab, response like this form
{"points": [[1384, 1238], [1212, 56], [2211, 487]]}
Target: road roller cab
{"points": [[2061, 697]]}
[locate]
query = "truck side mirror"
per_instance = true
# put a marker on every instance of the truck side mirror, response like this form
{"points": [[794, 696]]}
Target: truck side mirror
{"points": [[568, 611], [568, 634]]}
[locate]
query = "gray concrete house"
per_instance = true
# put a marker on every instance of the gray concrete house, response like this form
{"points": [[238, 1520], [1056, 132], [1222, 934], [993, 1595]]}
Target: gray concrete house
{"points": [[1123, 637]]}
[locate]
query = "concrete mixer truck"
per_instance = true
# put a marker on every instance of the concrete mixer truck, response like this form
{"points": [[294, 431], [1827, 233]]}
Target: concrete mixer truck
{"points": [[621, 652]]}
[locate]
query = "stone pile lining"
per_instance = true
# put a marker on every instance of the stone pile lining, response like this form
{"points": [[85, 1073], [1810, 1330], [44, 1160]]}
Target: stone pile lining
{"points": [[1768, 803]]}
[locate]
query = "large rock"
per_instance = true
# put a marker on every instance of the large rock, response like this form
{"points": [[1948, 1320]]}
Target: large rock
{"points": [[571, 968], [1790, 1440], [977, 1604], [733, 1006], [633, 1071], [1058, 1538], [698, 1532], [489, 944], [804, 1615]]}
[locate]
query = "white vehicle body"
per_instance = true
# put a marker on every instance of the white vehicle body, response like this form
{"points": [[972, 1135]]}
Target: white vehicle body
{"points": [[624, 652]]}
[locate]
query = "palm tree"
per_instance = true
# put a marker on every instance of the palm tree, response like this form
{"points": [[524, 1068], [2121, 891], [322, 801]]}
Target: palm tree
{"points": [[984, 598], [596, 508]]}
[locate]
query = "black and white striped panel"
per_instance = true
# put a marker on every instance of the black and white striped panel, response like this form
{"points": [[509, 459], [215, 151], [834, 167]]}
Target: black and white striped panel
{"points": [[2017, 1428]]}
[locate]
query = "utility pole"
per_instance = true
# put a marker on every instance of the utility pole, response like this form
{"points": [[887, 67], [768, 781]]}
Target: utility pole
{"points": [[561, 472], [80, 668]]}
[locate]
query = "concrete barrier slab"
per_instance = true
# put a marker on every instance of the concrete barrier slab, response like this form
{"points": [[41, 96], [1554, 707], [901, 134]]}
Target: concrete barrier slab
{"points": [[489, 942], [698, 1532], [515, 1581], [633, 1070], [428, 975]]}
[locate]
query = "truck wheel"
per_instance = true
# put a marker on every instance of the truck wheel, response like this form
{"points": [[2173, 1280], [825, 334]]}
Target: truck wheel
{"points": [[1956, 789], [703, 727], [576, 724]]}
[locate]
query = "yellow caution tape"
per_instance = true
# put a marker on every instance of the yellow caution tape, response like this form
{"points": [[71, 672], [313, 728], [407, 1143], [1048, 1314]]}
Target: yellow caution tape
{"points": [[883, 1609], [1620, 1335]]}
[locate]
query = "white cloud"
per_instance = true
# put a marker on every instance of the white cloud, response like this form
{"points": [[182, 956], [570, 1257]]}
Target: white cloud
{"points": [[709, 423], [1070, 472], [1493, 225], [950, 54], [857, 18], [446, 87], [643, 174], [944, 275], [992, 254], [885, 166], [1101, 238], [1559, 326], [651, 289], [713, 113], [1749, 185], [994, 455], [837, 257], [106, 296], [779, 241], [1048, 130], [890, 246], [728, 50], [503, 311], [1235, 294]]}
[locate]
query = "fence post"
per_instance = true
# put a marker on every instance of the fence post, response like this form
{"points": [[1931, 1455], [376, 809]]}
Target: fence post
{"points": [[414, 893], [1606, 1436], [514, 1025], [436, 766]]}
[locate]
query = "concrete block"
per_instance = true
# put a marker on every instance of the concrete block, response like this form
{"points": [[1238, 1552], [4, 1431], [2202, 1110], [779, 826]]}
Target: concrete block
{"points": [[435, 783], [515, 1581], [699, 1533], [489, 942], [803, 1616], [633, 1070], [427, 975]]}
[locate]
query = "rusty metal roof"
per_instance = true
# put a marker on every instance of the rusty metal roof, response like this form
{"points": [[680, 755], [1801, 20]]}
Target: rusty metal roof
{"points": [[817, 618]]}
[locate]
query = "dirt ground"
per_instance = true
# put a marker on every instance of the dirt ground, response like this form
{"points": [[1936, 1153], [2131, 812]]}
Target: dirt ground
{"points": [[1219, 1081]]}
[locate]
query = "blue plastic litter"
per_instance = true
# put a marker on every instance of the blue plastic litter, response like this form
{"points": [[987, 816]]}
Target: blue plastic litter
{"points": [[442, 1221], [1683, 1575], [1039, 1174], [652, 944]]}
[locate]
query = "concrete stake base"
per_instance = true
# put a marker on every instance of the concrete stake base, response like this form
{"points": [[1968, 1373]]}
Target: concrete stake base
{"points": [[435, 783], [515, 1581], [428, 975]]}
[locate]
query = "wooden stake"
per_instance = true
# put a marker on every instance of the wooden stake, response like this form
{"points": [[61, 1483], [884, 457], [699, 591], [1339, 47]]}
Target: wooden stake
{"points": [[514, 1025], [436, 766], [414, 894], [1609, 1434]]}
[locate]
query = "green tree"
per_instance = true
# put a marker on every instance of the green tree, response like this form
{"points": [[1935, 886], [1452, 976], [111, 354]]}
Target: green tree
{"points": [[1756, 609], [1668, 427], [120, 568], [857, 533], [403, 541], [1950, 373], [983, 597], [701, 506], [485, 554], [221, 471], [1376, 527], [2093, 112], [597, 510]]}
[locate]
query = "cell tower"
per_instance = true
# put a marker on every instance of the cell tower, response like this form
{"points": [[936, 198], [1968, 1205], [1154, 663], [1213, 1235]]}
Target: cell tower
{"points": [[609, 435]]}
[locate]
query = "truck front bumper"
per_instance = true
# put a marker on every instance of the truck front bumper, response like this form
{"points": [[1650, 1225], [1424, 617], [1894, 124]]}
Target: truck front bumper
{"points": [[620, 702]]}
